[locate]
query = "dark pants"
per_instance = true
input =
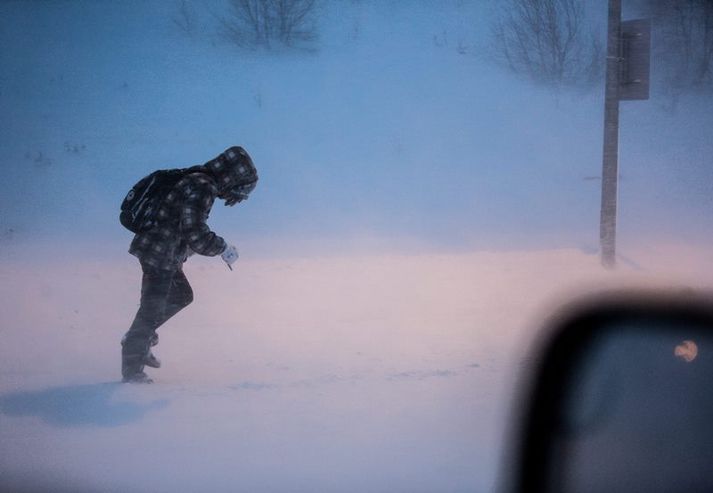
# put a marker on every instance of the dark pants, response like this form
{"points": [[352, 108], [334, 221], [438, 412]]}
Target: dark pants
{"points": [[163, 294]]}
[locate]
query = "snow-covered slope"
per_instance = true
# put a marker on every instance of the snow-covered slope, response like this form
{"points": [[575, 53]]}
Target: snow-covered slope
{"points": [[336, 374]]}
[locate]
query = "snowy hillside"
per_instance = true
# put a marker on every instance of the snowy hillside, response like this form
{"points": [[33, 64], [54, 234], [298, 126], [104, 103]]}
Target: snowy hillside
{"points": [[395, 128]]}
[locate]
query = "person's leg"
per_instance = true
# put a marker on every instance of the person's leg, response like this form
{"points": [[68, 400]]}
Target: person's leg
{"points": [[155, 289], [180, 295]]}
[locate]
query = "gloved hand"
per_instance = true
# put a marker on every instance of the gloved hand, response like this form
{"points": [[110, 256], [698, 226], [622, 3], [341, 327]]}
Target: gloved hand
{"points": [[230, 255]]}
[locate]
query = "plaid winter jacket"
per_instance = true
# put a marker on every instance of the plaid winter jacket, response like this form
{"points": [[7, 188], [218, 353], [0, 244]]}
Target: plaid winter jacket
{"points": [[181, 219], [181, 225]]}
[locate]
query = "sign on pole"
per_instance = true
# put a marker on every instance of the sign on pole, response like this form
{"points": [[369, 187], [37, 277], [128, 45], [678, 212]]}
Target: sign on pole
{"points": [[627, 78], [636, 59]]}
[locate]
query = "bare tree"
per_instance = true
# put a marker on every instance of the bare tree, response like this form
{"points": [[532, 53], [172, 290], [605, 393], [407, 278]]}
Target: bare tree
{"points": [[683, 42], [547, 41], [265, 22], [184, 18]]}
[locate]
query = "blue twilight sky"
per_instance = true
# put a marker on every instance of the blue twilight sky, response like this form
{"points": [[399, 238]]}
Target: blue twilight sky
{"points": [[396, 132]]}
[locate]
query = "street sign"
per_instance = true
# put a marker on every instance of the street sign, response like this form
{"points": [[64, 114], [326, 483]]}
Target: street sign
{"points": [[636, 59], [627, 77]]}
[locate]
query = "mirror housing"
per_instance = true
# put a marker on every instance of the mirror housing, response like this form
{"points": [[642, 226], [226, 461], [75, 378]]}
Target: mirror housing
{"points": [[619, 398]]}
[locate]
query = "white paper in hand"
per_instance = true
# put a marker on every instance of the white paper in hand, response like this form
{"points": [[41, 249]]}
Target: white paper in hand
{"points": [[230, 255]]}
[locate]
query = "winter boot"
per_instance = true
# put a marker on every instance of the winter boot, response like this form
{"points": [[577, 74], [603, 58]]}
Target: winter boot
{"points": [[132, 369], [138, 377], [135, 353], [151, 360]]}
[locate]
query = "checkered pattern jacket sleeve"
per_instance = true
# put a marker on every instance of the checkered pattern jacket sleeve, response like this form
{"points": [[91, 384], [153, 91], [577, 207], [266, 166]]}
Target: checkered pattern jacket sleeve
{"points": [[198, 193], [181, 225]]}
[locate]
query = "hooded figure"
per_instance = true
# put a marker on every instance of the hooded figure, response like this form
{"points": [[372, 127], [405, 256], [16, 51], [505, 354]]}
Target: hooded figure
{"points": [[234, 173], [181, 230]]}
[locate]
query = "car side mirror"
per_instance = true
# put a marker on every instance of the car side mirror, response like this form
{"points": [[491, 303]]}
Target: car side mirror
{"points": [[620, 399]]}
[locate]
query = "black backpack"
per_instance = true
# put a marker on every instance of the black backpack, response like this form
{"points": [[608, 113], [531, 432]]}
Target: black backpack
{"points": [[138, 210]]}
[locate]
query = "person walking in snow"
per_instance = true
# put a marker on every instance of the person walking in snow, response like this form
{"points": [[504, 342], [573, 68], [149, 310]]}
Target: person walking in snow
{"points": [[180, 230]]}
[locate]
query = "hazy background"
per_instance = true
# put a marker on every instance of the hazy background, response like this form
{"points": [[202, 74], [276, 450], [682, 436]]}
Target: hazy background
{"points": [[393, 129]]}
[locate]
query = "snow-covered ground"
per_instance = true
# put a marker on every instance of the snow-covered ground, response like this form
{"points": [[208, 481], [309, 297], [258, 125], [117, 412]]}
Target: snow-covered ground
{"points": [[368, 373]]}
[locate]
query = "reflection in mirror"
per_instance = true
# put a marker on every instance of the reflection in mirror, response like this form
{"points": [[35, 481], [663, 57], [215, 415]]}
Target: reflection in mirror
{"points": [[637, 415], [687, 351]]}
